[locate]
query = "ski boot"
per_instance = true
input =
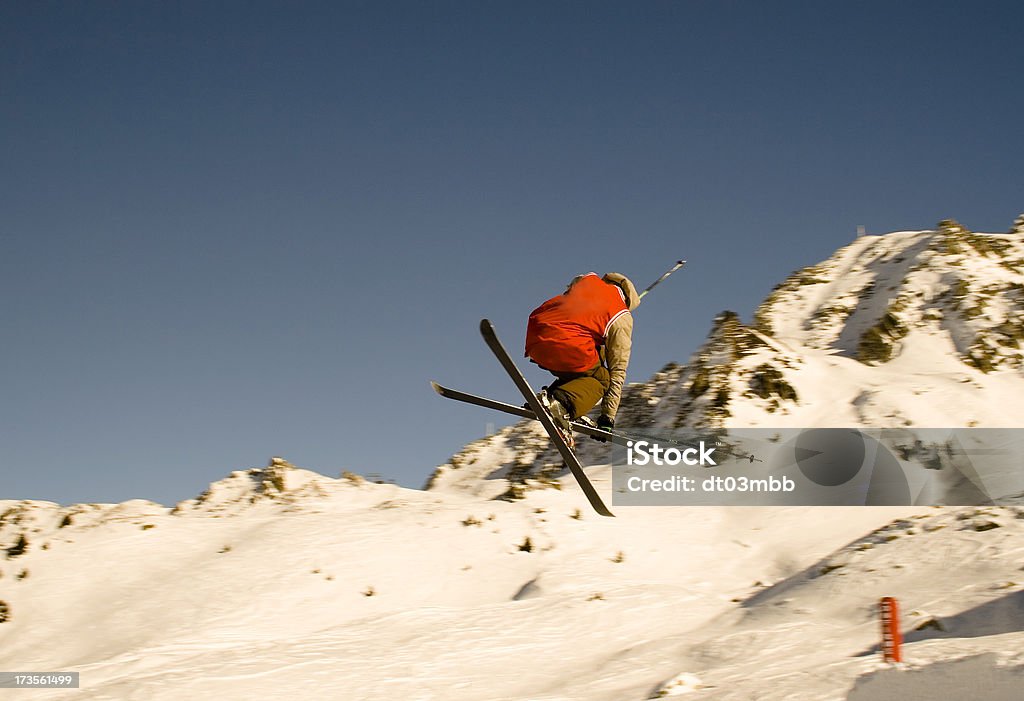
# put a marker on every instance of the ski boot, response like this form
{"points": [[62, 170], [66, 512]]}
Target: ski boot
{"points": [[559, 415]]}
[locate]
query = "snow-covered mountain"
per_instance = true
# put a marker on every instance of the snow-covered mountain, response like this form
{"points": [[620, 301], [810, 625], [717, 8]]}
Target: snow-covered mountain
{"points": [[916, 328], [281, 583]]}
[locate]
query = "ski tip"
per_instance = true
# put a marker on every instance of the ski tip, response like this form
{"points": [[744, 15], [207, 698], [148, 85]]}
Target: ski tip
{"points": [[486, 326], [437, 387]]}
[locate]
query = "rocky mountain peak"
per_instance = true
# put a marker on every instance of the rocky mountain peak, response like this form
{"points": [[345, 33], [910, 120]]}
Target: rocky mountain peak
{"points": [[909, 328]]}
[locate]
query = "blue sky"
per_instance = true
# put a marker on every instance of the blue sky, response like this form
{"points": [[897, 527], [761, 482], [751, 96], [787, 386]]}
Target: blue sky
{"points": [[237, 230]]}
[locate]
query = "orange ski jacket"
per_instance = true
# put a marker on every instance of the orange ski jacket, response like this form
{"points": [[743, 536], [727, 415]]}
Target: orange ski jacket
{"points": [[565, 334]]}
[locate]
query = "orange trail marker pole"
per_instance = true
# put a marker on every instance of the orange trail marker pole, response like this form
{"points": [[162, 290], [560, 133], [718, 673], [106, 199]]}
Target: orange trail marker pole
{"points": [[891, 638]]}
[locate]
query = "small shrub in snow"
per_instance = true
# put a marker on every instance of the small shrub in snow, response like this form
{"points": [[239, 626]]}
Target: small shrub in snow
{"points": [[981, 357], [951, 226], [619, 557], [930, 623], [369, 591], [18, 548], [515, 492], [768, 381], [949, 241], [719, 403], [471, 521], [879, 343], [527, 546], [700, 383], [5, 612]]}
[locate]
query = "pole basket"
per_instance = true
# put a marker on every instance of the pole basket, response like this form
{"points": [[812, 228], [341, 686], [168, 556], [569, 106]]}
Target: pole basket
{"points": [[891, 638]]}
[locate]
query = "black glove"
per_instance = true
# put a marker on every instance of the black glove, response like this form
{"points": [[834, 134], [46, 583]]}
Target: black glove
{"points": [[605, 423]]}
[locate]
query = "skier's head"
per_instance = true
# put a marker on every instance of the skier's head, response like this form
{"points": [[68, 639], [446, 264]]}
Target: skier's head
{"points": [[624, 284]]}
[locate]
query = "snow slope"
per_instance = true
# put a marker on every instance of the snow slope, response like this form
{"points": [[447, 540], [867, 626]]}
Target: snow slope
{"points": [[280, 583]]}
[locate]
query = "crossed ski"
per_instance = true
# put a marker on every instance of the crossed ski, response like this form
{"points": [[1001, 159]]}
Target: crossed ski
{"points": [[571, 461]]}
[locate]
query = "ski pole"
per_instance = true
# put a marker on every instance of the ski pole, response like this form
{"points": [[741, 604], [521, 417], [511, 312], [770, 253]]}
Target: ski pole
{"points": [[677, 266]]}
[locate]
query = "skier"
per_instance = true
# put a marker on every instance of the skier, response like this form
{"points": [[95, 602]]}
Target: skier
{"points": [[584, 338]]}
